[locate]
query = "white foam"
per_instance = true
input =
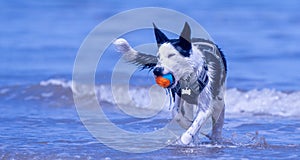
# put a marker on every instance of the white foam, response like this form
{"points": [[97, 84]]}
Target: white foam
{"points": [[138, 97], [47, 94], [57, 82], [4, 90], [265, 101]]}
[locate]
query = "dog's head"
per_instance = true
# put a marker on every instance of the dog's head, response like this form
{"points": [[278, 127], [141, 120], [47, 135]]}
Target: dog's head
{"points": [[173, 57]]}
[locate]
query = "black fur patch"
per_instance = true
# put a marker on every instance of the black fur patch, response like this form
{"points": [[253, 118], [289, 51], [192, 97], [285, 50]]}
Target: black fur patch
{"points": [[223, 58], [178, 46]]}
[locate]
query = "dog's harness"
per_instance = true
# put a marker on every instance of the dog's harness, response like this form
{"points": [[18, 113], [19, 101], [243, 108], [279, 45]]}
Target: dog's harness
{"points": [[190, 89]]}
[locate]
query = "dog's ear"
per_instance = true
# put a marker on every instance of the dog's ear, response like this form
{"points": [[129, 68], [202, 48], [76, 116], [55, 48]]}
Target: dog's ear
{"points": [[160, 36], [185, 38]]}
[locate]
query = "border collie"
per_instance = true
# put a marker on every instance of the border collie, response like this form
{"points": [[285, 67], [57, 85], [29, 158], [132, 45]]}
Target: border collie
{"points": [[193, 70]]}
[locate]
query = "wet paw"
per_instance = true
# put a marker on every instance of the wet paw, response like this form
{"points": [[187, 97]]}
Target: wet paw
{"points": [[186, 138]]}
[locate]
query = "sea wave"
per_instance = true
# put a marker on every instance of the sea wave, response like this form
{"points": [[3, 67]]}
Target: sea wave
{"points": [[59, 92]]}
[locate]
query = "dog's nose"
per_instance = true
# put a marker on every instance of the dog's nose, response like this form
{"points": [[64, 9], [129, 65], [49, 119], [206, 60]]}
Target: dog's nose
{"points": [[158, 71]]}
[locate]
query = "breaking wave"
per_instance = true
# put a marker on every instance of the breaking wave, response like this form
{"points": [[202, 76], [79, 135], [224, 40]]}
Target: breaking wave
{"points": [[59, 92]]}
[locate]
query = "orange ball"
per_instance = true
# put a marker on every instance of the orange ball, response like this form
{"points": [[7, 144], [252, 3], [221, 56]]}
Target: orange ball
{"points": [[163, 82]]}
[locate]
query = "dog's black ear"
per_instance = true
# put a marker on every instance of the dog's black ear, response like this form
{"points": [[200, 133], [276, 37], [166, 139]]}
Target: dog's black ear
{"points": [[185, 39], [160, 36]]}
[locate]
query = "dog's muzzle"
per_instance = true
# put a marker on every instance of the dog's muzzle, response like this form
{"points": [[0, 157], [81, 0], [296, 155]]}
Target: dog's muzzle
{"points": [[163, 80]]}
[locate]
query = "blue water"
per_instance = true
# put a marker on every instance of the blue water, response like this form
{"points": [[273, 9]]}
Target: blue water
{"points": [[38, 46]]}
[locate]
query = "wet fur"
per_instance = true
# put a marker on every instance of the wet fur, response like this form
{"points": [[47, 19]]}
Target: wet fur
{"points": [[210, 105]]}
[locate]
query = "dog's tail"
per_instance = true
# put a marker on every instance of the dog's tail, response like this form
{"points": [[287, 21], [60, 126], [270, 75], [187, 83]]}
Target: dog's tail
{"points": [[145, 61]]}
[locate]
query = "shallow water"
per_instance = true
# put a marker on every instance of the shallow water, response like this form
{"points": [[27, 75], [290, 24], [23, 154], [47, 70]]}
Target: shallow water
{"points": [[39, 42], [51, 136], [40, 132], [47, 126]]}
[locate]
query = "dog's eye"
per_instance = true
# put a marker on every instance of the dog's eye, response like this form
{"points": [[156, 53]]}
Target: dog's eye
{"points": [[171, 55]]}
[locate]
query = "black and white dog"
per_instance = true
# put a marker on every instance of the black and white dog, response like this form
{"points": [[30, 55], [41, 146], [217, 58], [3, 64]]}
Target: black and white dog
{"points": [[197, 75]]}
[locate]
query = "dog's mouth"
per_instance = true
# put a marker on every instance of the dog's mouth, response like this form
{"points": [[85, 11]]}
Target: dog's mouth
{"points": [[165, 80]]}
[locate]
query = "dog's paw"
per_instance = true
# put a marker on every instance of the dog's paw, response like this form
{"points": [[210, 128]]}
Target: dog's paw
{"points": [[186, 138], [122, 45]]}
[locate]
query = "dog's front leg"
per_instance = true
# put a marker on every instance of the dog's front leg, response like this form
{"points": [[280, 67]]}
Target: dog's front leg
{"points": [[200, 119]]}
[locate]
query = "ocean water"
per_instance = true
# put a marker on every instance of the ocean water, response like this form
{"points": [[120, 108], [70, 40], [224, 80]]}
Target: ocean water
{"points": [[38, 46]]}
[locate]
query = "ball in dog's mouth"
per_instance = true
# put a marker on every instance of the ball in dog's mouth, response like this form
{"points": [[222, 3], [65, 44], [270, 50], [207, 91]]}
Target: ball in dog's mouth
{"points": [[165, 80]]}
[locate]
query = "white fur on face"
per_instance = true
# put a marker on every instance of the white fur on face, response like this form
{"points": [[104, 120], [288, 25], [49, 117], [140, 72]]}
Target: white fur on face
{"points": [[172, 61]]}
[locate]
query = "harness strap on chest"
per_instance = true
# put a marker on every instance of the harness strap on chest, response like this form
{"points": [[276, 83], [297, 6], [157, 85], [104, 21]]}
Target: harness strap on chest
{"points": [[195, 89]]}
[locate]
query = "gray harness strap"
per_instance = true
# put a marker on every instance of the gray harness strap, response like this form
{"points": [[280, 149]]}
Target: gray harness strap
{"points": [[203, 78], [189, 90]]}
